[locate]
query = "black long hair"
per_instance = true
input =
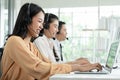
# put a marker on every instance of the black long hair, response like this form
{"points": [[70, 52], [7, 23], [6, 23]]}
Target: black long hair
{"points": [[26, 13]]}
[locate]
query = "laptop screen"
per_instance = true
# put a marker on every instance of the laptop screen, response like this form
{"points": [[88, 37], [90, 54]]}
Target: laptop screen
{"points": [[111, 55]]}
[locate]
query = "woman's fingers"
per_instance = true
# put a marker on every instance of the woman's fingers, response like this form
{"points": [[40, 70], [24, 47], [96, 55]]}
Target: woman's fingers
{"points": [[98, 66]]}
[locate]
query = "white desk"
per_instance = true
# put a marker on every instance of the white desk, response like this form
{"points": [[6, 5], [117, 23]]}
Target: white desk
{"points": [[115, 75]]}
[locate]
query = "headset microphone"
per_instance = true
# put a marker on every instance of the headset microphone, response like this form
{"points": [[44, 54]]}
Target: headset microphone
{"points": [[53, 38], [67, 38]]}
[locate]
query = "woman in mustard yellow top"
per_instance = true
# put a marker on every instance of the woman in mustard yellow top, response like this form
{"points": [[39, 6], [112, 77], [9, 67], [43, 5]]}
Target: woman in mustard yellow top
{"points": [[21, 60]]}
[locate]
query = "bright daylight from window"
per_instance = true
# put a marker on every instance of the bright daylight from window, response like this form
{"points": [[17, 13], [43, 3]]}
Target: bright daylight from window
{"points": [[89, 31]]}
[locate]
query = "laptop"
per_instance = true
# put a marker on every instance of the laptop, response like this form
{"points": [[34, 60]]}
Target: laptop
{"points": [[113, 50]]}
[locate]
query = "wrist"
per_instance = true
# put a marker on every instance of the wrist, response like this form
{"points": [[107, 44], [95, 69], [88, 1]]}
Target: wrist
{"points": [[75, 67], [72, 62]]}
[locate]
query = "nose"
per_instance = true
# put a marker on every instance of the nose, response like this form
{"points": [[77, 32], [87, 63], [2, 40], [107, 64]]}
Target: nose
{"points": [[56, 29], [41, 26]]}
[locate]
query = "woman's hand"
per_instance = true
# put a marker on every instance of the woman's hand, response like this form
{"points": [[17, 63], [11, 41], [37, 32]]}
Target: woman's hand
{"points": [[89, 67], [86, 67], [82, 61]]}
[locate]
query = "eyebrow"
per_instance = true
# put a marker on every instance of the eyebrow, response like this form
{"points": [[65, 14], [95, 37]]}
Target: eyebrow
{"points": [[40, 18], [55, 24]]}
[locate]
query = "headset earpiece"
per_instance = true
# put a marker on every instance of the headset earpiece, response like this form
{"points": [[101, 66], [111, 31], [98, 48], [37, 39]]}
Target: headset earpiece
{"points": [[46, 25]]}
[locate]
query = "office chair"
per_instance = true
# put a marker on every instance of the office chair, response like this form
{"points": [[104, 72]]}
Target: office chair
{"points": [[1, 52]]}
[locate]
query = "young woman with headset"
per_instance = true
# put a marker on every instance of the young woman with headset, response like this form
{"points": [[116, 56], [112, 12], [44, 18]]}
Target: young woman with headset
{"points": [[44, 43], [21, 59]]}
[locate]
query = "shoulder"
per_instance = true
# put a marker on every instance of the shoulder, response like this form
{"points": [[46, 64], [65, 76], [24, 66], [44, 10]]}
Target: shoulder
{"points": [[39, 39], [14, 40]]}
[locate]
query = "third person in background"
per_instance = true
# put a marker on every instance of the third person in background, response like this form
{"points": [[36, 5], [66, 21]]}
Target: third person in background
{"points": [[61, 35]]}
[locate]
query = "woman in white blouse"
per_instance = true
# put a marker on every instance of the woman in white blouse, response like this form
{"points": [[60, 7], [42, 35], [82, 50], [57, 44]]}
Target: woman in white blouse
{"points": [[44, 43]]}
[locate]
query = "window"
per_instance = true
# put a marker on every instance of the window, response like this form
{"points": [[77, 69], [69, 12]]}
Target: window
{"points": [[6, 19], [90, 31], [3, 21]]}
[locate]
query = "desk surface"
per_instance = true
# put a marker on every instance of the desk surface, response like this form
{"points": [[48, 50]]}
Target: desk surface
{"points": [[115, 75]]}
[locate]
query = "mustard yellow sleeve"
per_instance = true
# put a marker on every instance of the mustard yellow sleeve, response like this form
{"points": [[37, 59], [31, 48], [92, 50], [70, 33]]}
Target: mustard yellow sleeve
{"points": [[30, 62], [60, 68]]}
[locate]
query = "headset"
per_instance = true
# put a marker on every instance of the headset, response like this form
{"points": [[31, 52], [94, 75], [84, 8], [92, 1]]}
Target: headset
{"points": [[46, 25], [28, 18]]}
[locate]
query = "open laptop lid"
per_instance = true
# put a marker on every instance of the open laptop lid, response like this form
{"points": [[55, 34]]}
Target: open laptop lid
{"points": [[114, 49]]}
